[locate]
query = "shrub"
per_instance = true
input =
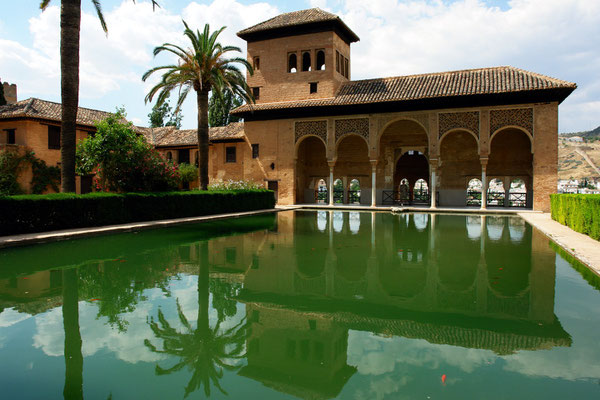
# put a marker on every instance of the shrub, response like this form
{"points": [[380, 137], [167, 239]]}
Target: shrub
{"points": [[10, 166], [123, 161], [235, 185], [188, 173], [38, 213], [580, 212]]}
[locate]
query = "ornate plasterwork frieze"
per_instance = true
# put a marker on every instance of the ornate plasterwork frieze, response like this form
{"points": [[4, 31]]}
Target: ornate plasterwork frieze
{"points": [[359, 126], [317, 128], [521, 117], [459, 120]]}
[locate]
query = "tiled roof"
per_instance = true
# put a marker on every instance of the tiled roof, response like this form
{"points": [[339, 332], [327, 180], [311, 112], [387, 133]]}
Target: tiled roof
{"points": [[290, 19], [427, 86], [169, 136], [42, 109]]}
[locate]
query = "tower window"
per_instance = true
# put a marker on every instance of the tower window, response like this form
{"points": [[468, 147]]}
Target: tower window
{"points": [[320, 60], [292, 63], [306, 61], [256, 63], [337, 61], [346, 67], [256, 93], [313, 87], [54, 137], [255, 150]]}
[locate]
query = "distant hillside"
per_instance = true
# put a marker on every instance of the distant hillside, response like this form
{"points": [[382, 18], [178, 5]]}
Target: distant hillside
{"points": [[588, 135], [572, 163]]}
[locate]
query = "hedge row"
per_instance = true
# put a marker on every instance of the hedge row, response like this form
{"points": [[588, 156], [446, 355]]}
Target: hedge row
{"points": [[580, 212], [40, 213]]}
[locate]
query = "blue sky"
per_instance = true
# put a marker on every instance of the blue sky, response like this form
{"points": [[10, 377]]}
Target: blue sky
{"points": [[552, 37]]}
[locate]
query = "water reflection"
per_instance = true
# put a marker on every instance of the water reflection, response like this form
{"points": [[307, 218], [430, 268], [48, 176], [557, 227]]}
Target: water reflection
{"points": [[279, 299]]}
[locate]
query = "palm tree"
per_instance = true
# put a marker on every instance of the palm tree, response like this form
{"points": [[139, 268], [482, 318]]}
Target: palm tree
{"points": [[73, 357], [70, 25], [202, 67], [205, 350]]}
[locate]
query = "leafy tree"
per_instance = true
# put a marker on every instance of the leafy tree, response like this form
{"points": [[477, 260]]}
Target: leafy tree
{"points": [[162, 115], [219, 108], [70, 25], [187, 173], [204, 68], [124, 161], [205, 350]]}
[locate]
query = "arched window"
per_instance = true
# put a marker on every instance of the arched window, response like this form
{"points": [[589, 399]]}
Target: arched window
{"points": [[338, 191], [474, 189], [306, 62], [197, 160], [169, 155], [495, 193], [354, 192], [517, 194], [321, 192], [421, 191], [292, 63], [404, 190], [320, 60]]}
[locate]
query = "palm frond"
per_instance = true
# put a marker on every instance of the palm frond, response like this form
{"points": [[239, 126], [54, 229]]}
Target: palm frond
{"points": [[98, 8], [44, 4]]}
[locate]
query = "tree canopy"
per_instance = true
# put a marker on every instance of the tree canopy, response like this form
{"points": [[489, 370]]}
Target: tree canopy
{"points": [[163, 115]]}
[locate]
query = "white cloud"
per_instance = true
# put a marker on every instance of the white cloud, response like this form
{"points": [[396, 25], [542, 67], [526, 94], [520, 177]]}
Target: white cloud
{"points": [[10, 317]]}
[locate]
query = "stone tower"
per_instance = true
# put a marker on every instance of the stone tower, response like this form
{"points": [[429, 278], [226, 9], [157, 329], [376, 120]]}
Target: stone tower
{"points": [[298, 56], [10, 92]]}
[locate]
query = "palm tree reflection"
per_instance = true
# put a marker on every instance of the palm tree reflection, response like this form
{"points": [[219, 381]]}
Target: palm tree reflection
{"points": [[205, 350]]}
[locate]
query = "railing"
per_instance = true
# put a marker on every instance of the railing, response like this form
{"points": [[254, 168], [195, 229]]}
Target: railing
{"points": [[391, 197], [421, 196], [517, 199], [338, 196], [321, 196], [353, 196], [496, 199], [473, 198]]}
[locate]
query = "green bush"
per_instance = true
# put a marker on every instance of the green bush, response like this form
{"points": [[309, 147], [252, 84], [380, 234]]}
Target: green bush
{"points": [[124, 161], [39, 213], [580, 212], [10, 166], [188, 173]]}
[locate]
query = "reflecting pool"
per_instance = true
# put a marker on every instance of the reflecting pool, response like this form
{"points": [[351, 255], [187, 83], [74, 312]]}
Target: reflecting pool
{"points": [[304, 304]]}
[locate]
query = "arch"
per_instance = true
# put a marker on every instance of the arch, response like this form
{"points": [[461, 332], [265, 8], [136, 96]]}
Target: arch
{"points": [[516, 229], [345, 135], [457, 260], [292, 63], [338, 221], [421, 221], [354, 191], [473, 223], [496, 193], [303, 138], [474, 192], [495, 228], [321, 192], [387, 125], [459, 158], [169, 156], [354, 222], [322, 221], [517, 193], [421, 190], [338, 191], [311, 166], [520, 128], [459, 130], [306, 61], [320, 60]]}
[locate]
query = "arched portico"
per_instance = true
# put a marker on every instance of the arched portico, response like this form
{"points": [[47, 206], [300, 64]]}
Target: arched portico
{"points": [[311, 167]]}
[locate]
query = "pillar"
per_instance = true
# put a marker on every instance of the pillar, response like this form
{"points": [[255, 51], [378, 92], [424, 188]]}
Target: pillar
{"points": [[330, 192], [506, 184], [433, 183], [483, 183], [373, 183]]}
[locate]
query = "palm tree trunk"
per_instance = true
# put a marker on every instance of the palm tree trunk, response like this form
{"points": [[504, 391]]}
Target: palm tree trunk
{"points": [[73, 358], [70, 21], [202, 97], [203, 289]]}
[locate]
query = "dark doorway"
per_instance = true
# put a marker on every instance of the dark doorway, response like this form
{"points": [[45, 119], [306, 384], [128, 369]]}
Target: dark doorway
{"points": [[273, 185], [86, 184], [412, 166], [183, 156]]}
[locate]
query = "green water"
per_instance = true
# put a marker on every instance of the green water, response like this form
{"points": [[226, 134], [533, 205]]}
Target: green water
{"points": [[302, 305]]}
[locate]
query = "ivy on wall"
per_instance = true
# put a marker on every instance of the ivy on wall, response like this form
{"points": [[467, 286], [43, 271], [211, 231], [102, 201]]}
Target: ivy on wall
{"points": [[11, 165]]}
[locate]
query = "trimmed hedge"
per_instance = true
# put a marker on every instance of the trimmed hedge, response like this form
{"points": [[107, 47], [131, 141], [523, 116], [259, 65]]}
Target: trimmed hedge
{"points": [[580, 212], [40, 213]]}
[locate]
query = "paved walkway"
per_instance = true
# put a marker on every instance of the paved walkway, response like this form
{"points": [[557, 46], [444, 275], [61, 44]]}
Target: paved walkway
{"points": [[582, 247], [54, 236]]}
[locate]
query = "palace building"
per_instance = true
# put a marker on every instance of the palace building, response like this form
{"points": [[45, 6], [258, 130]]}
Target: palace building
{"points": [[480, 137], [316, 128]]}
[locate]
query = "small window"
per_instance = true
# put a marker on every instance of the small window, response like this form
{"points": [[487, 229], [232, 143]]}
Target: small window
{"points": [[306, 61], [10, 136], [256, 63], [230, 154], [197, 159], [169, 155], [292, 63], [255, 150], [346, 74], [230, 255], [337, 61], [313, 87], [320, 60], [183, 156], [54, 137], [256, 93]]}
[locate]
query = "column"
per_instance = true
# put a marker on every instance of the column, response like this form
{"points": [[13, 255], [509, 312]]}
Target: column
{"points": [[506, 191], [373, 183], [330, 192], [433, 183], [483, 183]]}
